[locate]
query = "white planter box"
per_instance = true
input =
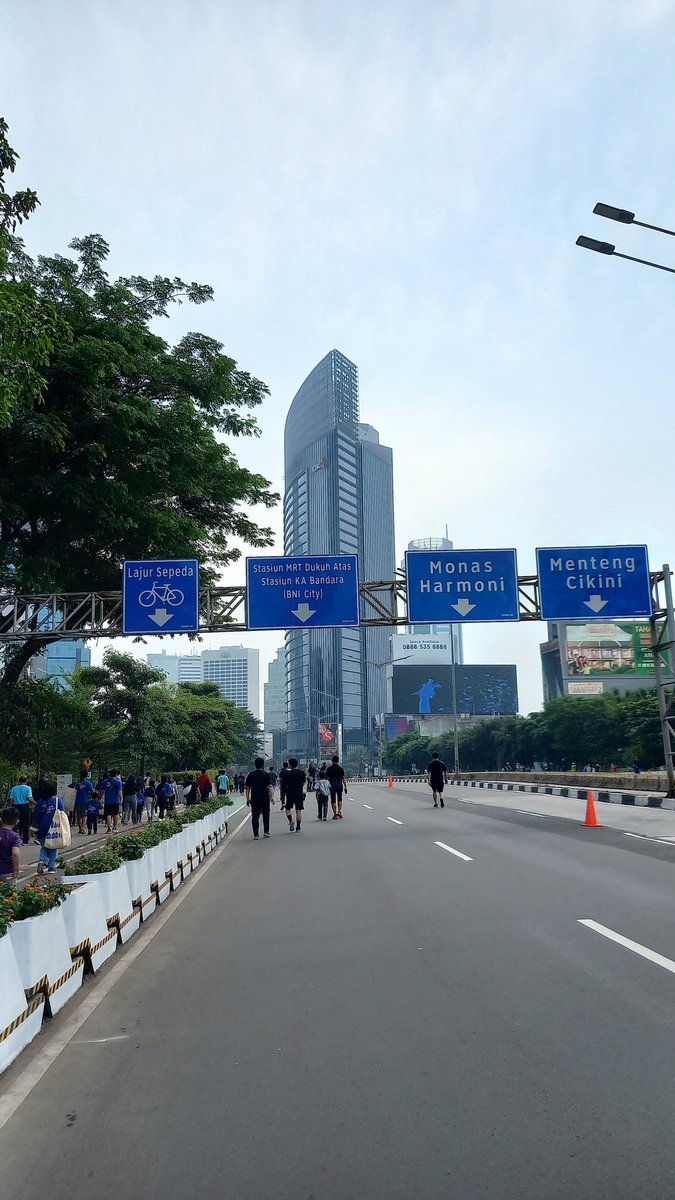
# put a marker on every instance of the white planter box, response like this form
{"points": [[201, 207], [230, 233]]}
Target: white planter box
{"points": [[138, 874], [184, 843], [116, 898], [157, 872], [88, 933], [171, 848], [43, 958], [20, 1020]]}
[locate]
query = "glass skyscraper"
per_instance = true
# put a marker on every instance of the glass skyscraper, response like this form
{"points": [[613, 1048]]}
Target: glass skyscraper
{"points": [[339, 498]]}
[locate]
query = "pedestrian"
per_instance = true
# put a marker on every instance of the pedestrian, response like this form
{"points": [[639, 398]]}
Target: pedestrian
{"points": [[112, 799], [274, 777], [20, 798], [338, 786], [172, 795], [43, 817], [93, 811], [191, 791], [241, 783], [150, 797], [130, 791], [259, 796], [223, 782], [295, 780], [84, 790], [10, 845], [322, 794], [163, 793], [205, 785], [282, 785], [437, 777], [140, 801], [311, 776]]}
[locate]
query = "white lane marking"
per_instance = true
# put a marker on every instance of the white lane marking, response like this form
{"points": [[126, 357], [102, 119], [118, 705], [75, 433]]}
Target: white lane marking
{"points": [[450, 850], [645, 837], [395, 822], [119, 1037], [368, 806], [524, 813], [32, 1074], [643, 951]]}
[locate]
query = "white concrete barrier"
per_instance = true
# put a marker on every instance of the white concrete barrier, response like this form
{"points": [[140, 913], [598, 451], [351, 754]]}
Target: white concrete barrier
{"points": [[20, 1019], [43, 957], [86, 926], [117, 906], [140, 885]]}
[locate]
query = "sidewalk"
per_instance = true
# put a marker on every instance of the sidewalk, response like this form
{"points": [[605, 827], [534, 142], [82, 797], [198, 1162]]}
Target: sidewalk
{"points": [[81, 844]]}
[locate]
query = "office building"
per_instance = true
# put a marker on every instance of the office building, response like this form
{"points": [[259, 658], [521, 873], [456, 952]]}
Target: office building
{"points": [[339, 498], [274, 694], [57, 661], [235, 669]]}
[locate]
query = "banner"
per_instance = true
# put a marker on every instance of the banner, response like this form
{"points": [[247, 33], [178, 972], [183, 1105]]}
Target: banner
{"points": [[600, 649], [330, 740]]}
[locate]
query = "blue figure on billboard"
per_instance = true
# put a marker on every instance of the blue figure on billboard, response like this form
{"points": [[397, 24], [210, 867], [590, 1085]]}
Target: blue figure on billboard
{"points": [[426, 694]]}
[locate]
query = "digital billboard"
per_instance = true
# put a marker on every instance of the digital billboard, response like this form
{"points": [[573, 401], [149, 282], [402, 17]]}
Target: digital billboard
{"points": [[330, 739], [608, 649], [481, 690], [398, 726]]}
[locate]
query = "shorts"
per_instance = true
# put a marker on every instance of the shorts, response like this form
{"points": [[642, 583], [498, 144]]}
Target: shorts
{"points": [[336, 792], [80, 810], [438, 785], [295, 802], [111, 810]]}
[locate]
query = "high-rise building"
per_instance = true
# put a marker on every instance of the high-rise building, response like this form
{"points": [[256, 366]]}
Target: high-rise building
{"points": [[274, 693], [235, 669], [57, 661], [339, 498]]}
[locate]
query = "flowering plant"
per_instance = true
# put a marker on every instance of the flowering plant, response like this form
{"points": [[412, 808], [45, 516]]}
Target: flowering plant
{"points": [[19, 903]]}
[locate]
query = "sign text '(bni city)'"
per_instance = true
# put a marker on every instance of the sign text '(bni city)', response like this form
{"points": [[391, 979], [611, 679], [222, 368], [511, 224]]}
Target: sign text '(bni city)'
{"points": [[305, 579]]}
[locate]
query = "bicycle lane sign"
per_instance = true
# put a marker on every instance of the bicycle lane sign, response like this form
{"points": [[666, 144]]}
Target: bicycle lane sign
{"points": [[160, 596]]}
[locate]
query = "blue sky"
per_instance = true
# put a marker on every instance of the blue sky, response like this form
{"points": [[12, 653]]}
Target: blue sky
{"points": [[404, 182]]}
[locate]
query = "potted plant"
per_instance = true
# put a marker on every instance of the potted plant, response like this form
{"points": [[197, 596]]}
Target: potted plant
{"points": [[106, 868], [41, 946]]}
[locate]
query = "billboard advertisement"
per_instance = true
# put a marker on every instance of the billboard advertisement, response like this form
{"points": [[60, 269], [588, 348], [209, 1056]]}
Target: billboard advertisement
{"points": [[397, 726], [608, 649], [330, 739], [481, 690]]}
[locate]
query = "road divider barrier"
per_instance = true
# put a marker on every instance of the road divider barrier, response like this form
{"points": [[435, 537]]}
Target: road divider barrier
{"points": [[604, 795], [43, 958]]}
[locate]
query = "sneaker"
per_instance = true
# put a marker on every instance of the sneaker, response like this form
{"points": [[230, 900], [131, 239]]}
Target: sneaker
{"points": [[291, 827], [442, 803], [297, 829], [266, 835], [435, 804], [255, 837]]}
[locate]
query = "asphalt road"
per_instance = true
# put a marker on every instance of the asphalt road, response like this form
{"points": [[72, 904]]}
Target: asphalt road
{"points": [[357, 1012]]}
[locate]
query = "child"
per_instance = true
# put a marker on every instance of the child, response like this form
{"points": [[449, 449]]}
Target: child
{"points": [[93, 809], [322, 794]]}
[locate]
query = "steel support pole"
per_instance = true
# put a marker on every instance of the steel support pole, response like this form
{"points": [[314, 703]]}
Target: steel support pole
{"points": [[454, 701]]}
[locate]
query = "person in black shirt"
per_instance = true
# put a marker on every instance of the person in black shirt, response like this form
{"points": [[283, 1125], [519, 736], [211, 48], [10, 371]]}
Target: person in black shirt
{"points": [[282, 785], [338, 786], [259, 795], [437, 776], [294, 789]]}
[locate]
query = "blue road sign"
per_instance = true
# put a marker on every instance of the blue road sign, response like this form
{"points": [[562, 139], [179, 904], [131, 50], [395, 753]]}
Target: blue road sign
{"points": [[313, 591], [461, 586], [161, 596], [594, 583]]}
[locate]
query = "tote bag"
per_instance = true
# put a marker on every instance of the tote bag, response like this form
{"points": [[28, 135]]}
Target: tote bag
{"points": [[58, 835]]}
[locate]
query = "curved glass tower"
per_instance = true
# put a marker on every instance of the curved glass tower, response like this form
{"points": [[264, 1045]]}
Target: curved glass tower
{"points": [[339, 498]]}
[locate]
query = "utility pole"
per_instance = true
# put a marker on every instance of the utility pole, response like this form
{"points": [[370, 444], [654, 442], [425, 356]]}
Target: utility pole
{"points": [[454, 700]]}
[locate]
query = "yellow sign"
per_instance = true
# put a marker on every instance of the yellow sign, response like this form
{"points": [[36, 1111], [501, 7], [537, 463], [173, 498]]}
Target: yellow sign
{"points": [[86, 762]]}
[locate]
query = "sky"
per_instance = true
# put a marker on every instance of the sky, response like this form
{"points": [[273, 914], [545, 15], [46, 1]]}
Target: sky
{"points": [[404, 182]]}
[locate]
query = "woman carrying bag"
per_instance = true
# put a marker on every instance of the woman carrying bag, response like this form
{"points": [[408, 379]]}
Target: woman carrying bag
{"points": [[53, 830]]}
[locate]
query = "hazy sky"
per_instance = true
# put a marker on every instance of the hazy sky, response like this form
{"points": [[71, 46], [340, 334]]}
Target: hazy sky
{"points": [[404, 182]]}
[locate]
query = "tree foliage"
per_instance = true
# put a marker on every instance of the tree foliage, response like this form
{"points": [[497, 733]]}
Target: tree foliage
{"points": [[609, 729]]}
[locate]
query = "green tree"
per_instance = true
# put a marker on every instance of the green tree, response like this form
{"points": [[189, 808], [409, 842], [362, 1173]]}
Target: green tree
{"points": [[29, 325], [214, 731], [134, 699], [125, 457], [357, 759]]}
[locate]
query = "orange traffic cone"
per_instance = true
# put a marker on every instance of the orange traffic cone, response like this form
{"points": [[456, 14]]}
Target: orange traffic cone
{"points": [[391, 781], [591, 821]]}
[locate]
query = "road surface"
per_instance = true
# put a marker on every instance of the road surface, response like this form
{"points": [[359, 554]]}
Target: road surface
{"points": [[356, 1011]]}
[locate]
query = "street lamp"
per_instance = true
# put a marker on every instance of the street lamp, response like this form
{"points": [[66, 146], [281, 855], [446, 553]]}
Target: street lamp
{"points": [[624, 217]]}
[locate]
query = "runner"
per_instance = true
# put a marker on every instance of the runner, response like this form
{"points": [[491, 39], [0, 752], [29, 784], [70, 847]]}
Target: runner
{"points": [[295, 779], [338, 786], [259, 796], [437, 776]]}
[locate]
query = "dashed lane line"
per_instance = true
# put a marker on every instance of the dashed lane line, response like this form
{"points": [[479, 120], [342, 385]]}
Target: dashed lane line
{"points": [[394, 821], [368, 806], [643, 951], [451, 850]]}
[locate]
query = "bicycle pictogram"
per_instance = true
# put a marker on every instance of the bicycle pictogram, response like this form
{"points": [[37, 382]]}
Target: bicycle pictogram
{"points": [[161, 593]]}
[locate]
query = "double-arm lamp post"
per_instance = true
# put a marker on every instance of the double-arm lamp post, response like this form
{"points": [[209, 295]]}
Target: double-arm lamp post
{"points": [[624, 217]]}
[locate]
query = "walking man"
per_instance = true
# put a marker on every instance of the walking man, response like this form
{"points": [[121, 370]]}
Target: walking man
{"points": [[20, 798], [84, 790], [295, 779], [437, 777], [112, 800], [259, 796], [282, 785], [338, 786]]}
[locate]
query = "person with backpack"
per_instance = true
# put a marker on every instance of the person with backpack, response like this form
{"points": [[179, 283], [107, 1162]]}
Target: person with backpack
{"points": [[84, 790], [322, 794], [43, 815]]}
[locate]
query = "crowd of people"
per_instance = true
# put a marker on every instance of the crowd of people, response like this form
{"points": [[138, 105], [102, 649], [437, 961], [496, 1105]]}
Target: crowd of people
{"points": [[327, 781]]}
